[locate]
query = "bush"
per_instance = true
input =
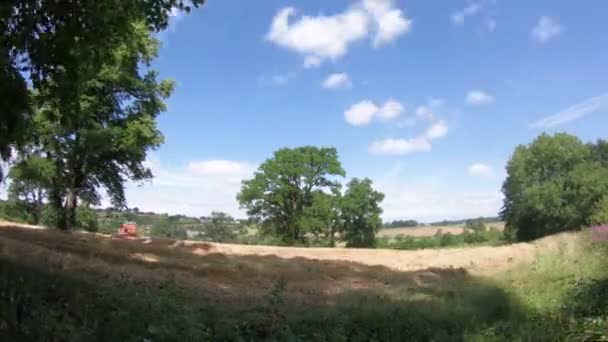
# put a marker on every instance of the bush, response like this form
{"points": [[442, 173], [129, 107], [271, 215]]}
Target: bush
{"points": [[16, 212], [86, 219], [600, 212]]}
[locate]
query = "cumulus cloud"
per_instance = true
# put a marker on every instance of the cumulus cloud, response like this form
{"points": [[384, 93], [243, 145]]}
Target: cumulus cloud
{"points": [[363, 112], [420, 143], [392, 146], [479, 169], [437, 130], [479, 98], [546, 29], [390, 110], [337, 81], [572, 113], [196, 188], [390, 22], [323, 37]]}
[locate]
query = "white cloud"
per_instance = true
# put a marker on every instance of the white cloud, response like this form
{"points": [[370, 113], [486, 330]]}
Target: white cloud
{"points": [[572, 113], [196, 189], [479, 98], [324, 37], [437, 130], [546, 29], [363, 112], [431, 198], [479, 169], [391, 22], [421, 143], [337, 81], [400, 146], [390, 110], [470, 10]]}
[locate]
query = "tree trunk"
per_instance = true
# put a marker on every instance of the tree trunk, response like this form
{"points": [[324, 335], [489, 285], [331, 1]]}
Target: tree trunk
{"points": [[57, 204], [71, 202]]}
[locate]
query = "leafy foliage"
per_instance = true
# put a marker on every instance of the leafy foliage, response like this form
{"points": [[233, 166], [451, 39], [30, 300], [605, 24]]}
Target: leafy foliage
{"points": [[285, 187], [475, 224], [552, 185], [360, 207], [60, 45], [100, 137], [221, 228], [491, 237]]}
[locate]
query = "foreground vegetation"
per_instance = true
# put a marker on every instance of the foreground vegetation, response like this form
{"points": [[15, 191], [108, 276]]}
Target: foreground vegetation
{"points": [[491, 237], [107, 295]]}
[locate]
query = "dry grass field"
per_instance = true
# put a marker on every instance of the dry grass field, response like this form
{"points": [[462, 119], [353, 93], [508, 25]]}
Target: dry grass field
{"points": [[223, 271], [327, 294]]}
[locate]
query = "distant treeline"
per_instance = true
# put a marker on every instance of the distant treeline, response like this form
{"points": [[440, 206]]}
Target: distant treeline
{"points": [[414, 223], [488, 219], [401, 224]]}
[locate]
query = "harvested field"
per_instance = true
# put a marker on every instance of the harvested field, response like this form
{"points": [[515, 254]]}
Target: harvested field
{"points": [[446, 292]]}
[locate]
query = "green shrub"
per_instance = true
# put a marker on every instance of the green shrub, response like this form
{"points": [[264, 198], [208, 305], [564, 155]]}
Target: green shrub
{"points": [[86, 219], [600, 212]]}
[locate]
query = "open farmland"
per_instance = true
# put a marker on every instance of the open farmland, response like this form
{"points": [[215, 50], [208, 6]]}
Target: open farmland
{"points": [[450, 294]]}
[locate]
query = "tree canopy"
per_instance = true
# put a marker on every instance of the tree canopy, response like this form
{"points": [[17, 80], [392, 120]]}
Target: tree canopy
{"points": [[99, 137], [360, 207], [286, 185], [554, 184], [56, 45]]}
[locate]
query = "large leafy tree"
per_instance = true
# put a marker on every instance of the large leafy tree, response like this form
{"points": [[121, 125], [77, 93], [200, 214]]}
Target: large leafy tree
{"points": [[285, 187], [322, 217], [30, 183], [99, 138], [360, 213], [221, 228], [58, 44], [553, 184]]}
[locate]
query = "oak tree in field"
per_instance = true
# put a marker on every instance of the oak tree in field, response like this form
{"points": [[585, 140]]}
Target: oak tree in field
{"points": [[285, 192], [554, 184], [59, 44], [99, 137], [360, 213]]}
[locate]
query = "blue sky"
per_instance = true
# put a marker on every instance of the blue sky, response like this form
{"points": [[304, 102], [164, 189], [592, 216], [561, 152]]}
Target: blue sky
{"points": [[427, 98]]}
